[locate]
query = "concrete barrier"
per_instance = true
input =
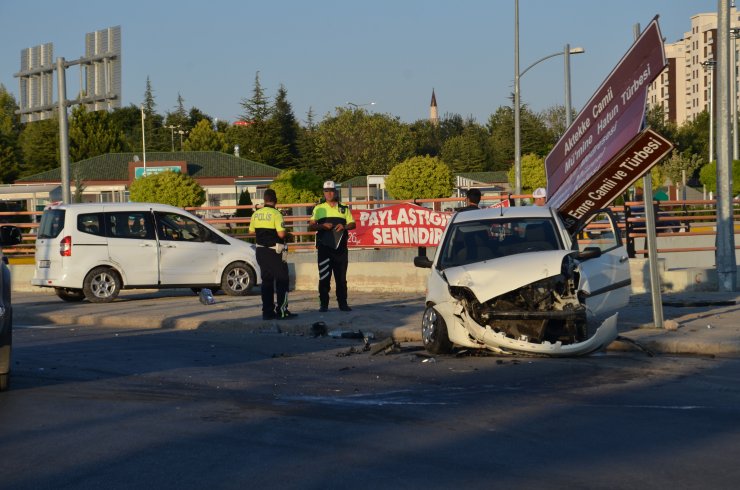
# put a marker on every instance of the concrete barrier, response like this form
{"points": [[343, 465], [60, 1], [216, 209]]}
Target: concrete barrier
{"points": [[393, 270]]}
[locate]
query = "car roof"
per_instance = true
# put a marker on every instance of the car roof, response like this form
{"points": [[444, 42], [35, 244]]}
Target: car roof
{"points": [[117, 206], [512, 212]]}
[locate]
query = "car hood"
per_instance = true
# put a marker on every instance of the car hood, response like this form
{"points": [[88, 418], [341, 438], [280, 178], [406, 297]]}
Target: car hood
{"points": [[492, 278]]}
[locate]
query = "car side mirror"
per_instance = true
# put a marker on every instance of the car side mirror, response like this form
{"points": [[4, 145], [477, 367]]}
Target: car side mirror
{"points": [[589, 253], [10, 235], [423, 262]]}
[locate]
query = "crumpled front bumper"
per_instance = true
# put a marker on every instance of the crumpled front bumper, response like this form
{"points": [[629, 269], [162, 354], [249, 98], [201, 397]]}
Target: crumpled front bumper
{"points": [[499, 342]]}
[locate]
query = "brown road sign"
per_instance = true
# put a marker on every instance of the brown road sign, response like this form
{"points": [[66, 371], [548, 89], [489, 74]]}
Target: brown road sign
{"points": [[637, 158], [610, 119]]}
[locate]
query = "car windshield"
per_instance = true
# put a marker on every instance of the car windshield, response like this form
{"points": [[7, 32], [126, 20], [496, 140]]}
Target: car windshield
{"points": [[476, 241]]}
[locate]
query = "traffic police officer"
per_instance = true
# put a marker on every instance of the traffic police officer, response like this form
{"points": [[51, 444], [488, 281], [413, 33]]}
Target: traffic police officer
{"points": [[331, 220], [268, 227]]}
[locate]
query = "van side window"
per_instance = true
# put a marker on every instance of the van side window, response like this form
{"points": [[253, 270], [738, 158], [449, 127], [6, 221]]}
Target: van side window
{"points": [[176, 227], [91, 223], [130, 224]]}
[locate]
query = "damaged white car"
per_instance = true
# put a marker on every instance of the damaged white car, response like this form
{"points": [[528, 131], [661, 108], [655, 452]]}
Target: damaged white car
{"points": [[512, 280]]}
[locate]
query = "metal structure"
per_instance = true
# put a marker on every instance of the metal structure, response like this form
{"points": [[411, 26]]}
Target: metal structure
{"points": [[36, 83], [100, 90], [102, 67]]}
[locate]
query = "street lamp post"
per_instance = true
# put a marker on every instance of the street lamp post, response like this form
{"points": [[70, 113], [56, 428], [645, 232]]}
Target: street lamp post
{"points": [[709, 68], [567, 51], [734, 34], [357, 106], [143, 137], [181, 132], [172, 134]]}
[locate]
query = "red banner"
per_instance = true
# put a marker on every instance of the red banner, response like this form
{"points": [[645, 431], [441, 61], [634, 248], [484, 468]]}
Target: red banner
{"points": [[400, 225]]}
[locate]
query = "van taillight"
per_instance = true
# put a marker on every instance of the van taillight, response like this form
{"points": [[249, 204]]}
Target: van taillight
{"points": [[65, 246]]}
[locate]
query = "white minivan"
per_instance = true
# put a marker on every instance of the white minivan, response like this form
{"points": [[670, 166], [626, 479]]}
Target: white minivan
{"points": [[94, 250]]}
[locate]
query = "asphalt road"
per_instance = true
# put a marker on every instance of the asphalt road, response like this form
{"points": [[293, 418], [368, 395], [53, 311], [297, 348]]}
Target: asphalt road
{"points": [[99, 407]]}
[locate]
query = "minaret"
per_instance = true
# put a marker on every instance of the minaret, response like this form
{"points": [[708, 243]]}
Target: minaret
{"points": [[433, 114]]}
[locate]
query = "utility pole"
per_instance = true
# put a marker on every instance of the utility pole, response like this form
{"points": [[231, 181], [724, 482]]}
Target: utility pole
{"points": [[725, 240]]}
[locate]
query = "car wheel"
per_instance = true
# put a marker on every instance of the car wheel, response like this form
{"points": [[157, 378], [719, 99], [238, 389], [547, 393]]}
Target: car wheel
{"points": [[71, 295], [238, 279], [102, 285], [434, 333]]}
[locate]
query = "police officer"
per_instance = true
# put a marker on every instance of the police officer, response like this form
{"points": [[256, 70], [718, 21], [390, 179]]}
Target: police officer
{"points": [[268, 226], [331, 220]]}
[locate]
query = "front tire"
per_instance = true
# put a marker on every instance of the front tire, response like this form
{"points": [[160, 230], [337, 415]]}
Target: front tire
{"points": [[434, 332], [238, 279], [102, 285], [70, 295]]}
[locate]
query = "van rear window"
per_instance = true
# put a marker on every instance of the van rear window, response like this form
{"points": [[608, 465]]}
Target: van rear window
{"points": [[52, 223]]}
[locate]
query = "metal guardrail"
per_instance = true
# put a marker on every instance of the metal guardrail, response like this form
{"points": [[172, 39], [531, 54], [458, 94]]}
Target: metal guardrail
{"points": [[674, 219]]}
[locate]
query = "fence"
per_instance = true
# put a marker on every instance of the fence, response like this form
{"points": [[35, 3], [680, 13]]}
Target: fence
{"points": [[682, 219]]}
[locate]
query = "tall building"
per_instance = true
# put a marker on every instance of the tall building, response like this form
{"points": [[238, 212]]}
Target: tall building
{"points": [[433, 114], [683, 88]]}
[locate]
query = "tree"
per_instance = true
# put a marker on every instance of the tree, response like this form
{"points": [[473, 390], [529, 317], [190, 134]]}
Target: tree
{"points": [[128, 120], [420, 178], [179, 117], [168, 187], [92, 134], [149, 104], [244, 200], [554, 120], [79, 186], [308, 147], [283, 129], [693, 136], [353, 142], [427, 138], [535, 136], [674, 167], [156, 138], [10, 154], [39, 143], [466, 152], [256, 140], [533, 173], [708, 176], [297, 186], [196, 115], [204, 138], [256, 108]]}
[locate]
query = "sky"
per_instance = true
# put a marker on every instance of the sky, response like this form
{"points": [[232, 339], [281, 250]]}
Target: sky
{"points": [[328, 53]]}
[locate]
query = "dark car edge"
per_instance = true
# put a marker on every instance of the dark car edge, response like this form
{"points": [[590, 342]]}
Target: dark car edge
{"points": [[9, 235]]}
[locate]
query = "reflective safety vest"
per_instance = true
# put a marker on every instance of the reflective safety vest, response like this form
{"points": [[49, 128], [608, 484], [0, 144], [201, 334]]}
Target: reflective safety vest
{"points": [[265, 224], [339, 214]]}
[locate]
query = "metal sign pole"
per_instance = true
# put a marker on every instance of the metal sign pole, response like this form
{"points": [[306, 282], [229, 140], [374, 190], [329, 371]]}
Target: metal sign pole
{"points": [[651, 240], [63, 131]]}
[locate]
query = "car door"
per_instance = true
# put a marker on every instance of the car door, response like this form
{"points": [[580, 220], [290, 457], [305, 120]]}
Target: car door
{"points": [[187, 255], [132, 245], [605, 279]]}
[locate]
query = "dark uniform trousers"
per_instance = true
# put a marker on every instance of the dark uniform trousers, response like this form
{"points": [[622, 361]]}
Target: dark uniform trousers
{"points": [[332, 262], [275, 279]]}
